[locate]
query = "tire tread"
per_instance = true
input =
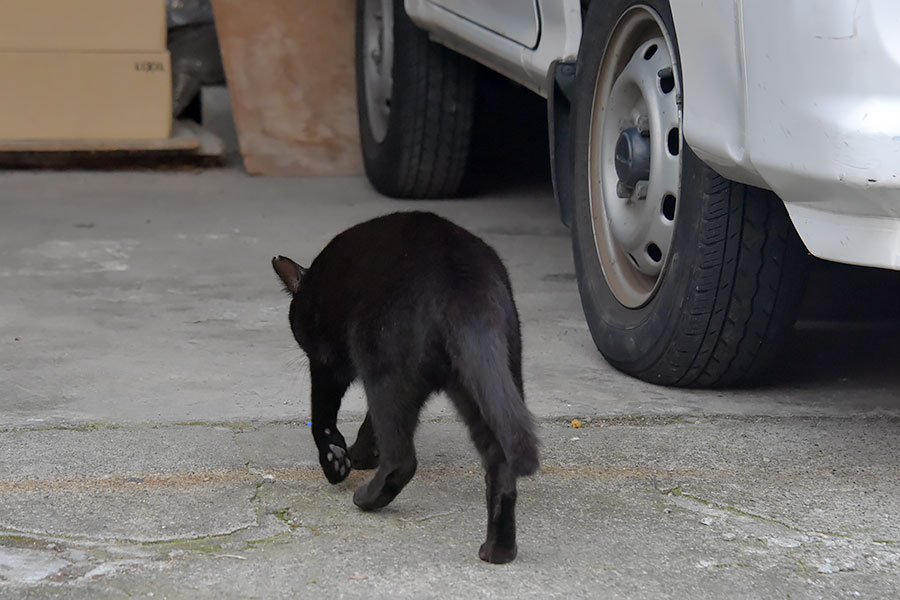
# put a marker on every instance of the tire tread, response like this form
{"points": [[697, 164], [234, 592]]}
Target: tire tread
{"points": [[746, 291], [426, 150]]}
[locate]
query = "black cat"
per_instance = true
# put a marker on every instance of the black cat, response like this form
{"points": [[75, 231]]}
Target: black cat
{"points": [[412, 304]]}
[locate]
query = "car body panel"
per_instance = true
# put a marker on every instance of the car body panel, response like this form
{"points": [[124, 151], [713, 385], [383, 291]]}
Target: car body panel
{"points": [[801, 97], [823, 121], [559, 38], [515, 20], [713, 86]]}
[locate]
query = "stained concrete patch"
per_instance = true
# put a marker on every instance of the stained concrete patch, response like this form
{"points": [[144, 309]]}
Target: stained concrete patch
{"points": [[53, 483], [28, 565], [102, 449], [131, 510], [25, 566], [623, 508]]}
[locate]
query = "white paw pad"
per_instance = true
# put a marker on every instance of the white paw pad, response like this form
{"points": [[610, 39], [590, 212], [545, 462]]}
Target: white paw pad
{"points": [[339, 459]]}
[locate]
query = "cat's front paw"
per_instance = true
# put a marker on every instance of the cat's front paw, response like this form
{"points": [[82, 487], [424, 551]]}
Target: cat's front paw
{"points": [[335, 462]]}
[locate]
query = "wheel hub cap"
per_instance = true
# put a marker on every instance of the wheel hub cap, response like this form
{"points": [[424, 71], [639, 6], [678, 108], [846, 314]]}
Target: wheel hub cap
{"points": [[632, 158], [634, 153]]}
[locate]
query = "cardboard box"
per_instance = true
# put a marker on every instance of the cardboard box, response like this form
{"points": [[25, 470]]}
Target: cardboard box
{"points": [[83, 25], [84, 95]]}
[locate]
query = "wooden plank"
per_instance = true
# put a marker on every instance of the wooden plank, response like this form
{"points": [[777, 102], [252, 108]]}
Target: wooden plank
{"points": [[184, 139], [290, 71], [190, 146]]}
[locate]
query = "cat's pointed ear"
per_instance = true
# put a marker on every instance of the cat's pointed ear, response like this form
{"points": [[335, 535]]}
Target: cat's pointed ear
{"points": [[289, 272]]}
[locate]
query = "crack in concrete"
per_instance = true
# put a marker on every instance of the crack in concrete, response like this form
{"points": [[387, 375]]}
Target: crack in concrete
{"points": [[815, 552], [65, 559], [678, 491], [9, 535]]}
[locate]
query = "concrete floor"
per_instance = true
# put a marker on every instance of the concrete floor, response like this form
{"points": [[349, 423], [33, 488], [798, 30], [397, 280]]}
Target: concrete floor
{"points": [[153, 410]]}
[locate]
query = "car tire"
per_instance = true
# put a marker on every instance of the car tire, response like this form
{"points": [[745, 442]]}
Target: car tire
{"points": [[686, 278], [415, 105]]}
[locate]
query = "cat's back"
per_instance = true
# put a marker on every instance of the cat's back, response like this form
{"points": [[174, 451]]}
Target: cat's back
{"points": [[402, 230], [413, 255], [407, 242]]}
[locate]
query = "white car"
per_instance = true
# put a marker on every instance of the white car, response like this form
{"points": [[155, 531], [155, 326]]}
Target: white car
{"points": [[699, 148]]}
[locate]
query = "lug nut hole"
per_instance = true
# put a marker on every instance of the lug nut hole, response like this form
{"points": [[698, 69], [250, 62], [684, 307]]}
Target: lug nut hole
{"points": [[668, 207]]}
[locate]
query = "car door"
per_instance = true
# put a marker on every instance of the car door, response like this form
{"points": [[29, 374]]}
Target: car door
{"points": [[516, 20]]}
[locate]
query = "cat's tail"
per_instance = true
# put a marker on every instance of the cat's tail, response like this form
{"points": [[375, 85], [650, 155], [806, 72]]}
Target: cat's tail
{"points": [[485, 368]]}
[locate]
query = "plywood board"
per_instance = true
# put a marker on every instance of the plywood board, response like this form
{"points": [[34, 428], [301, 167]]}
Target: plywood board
{"points": [[290, 72]]}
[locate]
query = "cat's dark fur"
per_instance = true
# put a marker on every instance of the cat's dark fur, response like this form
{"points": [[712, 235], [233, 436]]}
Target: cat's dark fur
{"points": [[412, 304]]}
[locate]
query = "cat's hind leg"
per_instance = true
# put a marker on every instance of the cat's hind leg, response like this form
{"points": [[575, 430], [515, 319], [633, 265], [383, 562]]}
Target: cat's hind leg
{"points": [[394, 412], [500, 482], [500, 544], [364, 453]]}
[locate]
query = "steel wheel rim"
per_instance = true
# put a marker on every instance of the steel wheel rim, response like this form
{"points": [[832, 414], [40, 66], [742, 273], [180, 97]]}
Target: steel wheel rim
{"points": [[378, 62], [637, 97]]}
